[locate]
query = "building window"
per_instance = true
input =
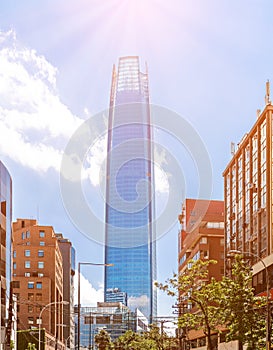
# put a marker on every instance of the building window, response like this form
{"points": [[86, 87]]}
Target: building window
{"points": [[23, 235], [39, 285], [27, 264], [30, 308], [40, 253], [14, 266], [196, 256], [42, 234], [41, 265], [27, 234], [42, 243], [30, 296], [38, 297], [203, 240], [206, 254], [27, 274], [40, 274], [183, 259], [39, 308], [16, 284], [27, 252], [30, 285], [30, 320], [219, 225], [14, 253], [39, 320]]}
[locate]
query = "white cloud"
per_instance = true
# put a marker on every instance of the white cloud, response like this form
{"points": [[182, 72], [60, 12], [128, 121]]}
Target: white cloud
{"points": [[89, 295], [161, 180], [94, 160], [138, 302], [34, 124]]}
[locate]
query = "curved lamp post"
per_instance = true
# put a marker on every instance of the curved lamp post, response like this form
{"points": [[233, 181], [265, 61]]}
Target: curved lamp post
{"points": [[79, 294], [40, 317], [268, 318]]}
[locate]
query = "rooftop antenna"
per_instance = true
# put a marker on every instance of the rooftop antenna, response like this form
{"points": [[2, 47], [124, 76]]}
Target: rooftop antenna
{"points": [[267, 94], [232, 148]]}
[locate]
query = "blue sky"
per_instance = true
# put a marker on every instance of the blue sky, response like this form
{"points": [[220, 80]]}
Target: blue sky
{"points": [[208, 61]]}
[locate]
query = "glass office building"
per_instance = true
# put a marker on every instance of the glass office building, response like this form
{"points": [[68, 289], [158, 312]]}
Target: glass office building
{"points": [[129, 233], [5, 257]]}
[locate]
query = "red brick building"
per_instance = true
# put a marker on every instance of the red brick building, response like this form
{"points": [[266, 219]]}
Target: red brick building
{"points": [[37, 275], [202, 234], [201, 237]]}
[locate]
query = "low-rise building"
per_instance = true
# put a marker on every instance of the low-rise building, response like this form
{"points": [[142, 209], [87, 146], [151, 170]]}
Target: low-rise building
{"points": [[114, 317], [115, 295]]}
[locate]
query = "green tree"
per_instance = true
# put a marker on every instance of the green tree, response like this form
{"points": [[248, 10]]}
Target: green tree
{"points": [[194, 292], [103, 340], [31, 347], [125, 341], [150, 340], [245, 312], [156, 337]]}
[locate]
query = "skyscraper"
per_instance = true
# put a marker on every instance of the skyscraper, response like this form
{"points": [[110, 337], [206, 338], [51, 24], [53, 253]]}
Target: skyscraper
{"points": [[129, 232], [5, 258]]}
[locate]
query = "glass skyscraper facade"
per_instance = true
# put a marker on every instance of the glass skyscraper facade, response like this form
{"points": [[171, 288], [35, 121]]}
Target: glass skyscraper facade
{"points": [[5, 258], [130, 233]]}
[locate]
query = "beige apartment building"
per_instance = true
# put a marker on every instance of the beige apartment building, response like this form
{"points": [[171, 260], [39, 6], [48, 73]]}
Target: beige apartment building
{"points": [[248, 196]]}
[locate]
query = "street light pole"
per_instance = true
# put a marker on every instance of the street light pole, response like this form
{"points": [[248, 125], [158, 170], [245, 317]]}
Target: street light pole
{"points": [[79, 295], [268, 297], [40, 317]]}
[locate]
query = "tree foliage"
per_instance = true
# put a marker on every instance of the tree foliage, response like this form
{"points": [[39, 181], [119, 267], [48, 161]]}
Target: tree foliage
{"points": [[245, 316], [150, 340], [210, 305], [195, 294], [31, 346], [103, 340]]}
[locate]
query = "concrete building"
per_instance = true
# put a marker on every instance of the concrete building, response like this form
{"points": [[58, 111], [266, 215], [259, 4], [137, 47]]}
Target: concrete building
{"points": [[115, 318], [37, 278], [115, 295], [5, 256], [248, 191], [68, 255]]}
